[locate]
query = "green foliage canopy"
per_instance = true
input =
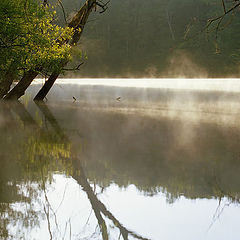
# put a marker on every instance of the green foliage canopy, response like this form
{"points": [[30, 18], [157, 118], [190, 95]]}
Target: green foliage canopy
{"points": [[29, 38]]}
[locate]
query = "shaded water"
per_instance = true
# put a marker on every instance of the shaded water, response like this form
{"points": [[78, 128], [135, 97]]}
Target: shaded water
{"points": [[122, 163]]}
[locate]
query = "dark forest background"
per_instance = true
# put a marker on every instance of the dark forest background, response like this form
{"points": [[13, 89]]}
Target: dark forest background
{"points": [[157, 38]]}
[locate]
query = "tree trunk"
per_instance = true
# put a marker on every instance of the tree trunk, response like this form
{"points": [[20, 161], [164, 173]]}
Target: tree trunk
{"points": [[22, 85], [46, 87], [6, 84], [78, 22]]}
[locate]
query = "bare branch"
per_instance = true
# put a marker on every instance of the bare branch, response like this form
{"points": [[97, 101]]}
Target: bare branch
{"points": [[103, 5], [220, 18], [210, 21], [74, 69], [224, 7], [63, 10]]}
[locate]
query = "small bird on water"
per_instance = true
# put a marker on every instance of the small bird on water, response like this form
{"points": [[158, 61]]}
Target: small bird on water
{"points": [[118, 99]]}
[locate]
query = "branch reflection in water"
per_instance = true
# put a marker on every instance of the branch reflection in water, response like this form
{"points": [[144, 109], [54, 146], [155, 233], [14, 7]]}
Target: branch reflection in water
{"points": [[48, 151], [61, 151]]}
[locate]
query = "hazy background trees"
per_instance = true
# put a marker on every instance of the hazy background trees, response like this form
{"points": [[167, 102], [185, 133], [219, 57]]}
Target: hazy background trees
{"points": [[158, 38]]}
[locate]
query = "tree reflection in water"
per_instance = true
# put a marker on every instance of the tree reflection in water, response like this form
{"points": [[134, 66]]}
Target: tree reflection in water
{"points": [[150, 153], [38, 153]]}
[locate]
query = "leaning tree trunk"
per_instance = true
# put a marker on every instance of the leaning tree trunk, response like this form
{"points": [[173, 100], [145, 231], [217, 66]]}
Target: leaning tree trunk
{"points": [[22, 85], [6, 83], [78, 24], [46, 87]]}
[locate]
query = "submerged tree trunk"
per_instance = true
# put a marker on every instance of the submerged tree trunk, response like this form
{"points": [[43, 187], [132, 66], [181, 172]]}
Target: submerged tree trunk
{"points": [[46, 87], [77, 23]]}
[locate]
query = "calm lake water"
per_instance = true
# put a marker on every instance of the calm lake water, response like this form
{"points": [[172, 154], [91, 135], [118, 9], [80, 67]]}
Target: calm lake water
{"points": [[122, 159]]}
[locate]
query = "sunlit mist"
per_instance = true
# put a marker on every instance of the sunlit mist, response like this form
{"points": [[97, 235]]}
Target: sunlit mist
{"points": [[211, 84]]}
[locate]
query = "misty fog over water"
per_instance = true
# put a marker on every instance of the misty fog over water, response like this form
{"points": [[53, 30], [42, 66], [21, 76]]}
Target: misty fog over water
{"points": [[149, 95], [150, 158]]}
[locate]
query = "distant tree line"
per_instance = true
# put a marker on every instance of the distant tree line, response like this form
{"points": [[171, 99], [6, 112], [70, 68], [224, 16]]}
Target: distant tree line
{"points": [[137, 38]]}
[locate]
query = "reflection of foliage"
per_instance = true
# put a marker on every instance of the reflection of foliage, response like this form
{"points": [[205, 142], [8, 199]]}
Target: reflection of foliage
{"points": [[79, 175], [43, 148], [27, 156], [202, 171], [20, 213]]}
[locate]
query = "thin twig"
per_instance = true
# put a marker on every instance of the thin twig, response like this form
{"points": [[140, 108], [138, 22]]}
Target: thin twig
{"points": [[224, 7], [74, 69], [63, 10]]}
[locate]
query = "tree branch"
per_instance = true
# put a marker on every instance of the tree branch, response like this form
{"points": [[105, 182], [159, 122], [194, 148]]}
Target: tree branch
{"points": [[74, 69], [63, 10], [210, 21], [224, 7]]}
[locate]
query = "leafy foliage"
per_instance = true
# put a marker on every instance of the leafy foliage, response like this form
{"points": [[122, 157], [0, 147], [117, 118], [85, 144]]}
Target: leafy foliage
{"points": [[29, 37]]}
